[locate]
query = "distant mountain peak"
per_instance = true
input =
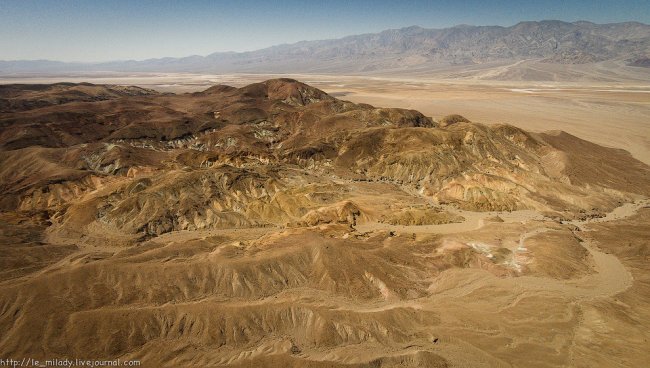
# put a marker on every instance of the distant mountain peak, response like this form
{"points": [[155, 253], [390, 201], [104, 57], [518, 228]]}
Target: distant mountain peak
{"points": [[403, 50]]}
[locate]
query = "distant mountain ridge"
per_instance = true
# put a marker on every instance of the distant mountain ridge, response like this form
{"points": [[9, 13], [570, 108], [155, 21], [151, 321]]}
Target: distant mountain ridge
{"points": [[405, 49]]}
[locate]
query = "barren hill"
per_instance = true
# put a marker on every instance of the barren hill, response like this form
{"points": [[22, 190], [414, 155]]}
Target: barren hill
{"points": [[275, 225]]}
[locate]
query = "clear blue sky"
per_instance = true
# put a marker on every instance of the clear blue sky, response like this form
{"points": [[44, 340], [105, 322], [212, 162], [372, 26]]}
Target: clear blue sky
{"points": [[89, 30]]}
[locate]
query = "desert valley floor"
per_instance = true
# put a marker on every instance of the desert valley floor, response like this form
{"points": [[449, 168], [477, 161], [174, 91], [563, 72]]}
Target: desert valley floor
{"points": [[254, 221]]}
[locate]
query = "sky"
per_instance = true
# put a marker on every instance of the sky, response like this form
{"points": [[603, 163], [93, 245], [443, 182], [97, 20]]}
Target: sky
{"points": [[89, 31]]}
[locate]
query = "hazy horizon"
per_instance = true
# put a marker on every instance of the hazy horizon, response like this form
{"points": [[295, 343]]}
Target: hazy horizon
{"points": [[72, 31]]}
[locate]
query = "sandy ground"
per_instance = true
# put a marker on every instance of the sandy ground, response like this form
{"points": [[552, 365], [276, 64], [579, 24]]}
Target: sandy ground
{"points": [[611, 114], [611, 117]]}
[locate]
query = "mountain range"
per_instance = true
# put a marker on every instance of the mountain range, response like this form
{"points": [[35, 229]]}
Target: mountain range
{"points": [[414, 50]]}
